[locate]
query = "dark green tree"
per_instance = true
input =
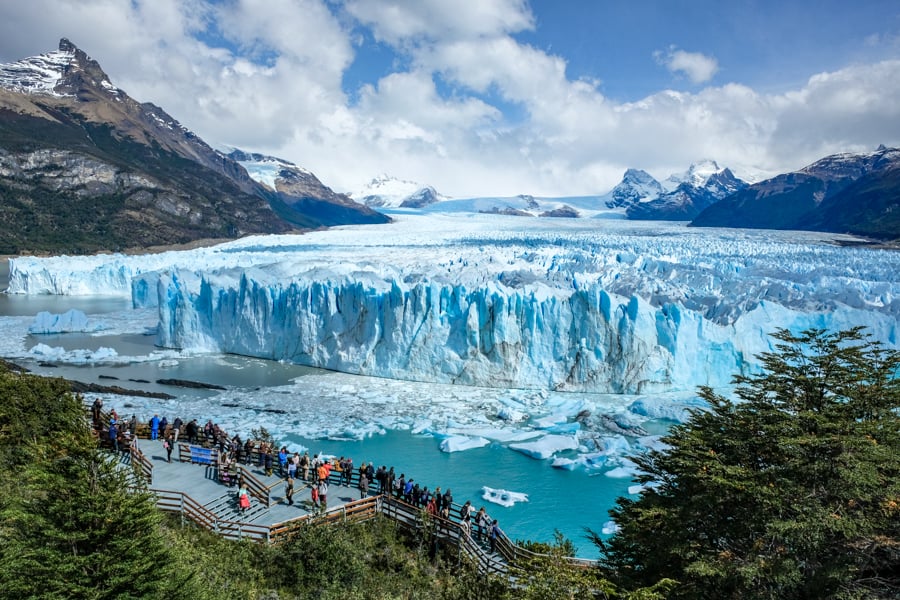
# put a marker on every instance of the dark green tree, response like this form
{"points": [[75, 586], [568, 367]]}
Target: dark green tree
{"points": [[790, 491], [75, 522]]}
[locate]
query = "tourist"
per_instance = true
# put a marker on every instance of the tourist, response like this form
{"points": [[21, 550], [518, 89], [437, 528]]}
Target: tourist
{"points": [[389, 482], [304, 464], [292, 465], [323, 495], [482, 521], [289, 491], [132, 426], [447, 502], [465, 527], [431, 508], [154, 427], [407, 490], [267, 462], [176, 427], [192, 430], [400, 488], [243, 498], [282, 461], [163, 423], [495, 533], [97, 413], [465, 511], [438, 498], [348, 472], [363, 485], [314, 496], [168, 443], [114, 435]]}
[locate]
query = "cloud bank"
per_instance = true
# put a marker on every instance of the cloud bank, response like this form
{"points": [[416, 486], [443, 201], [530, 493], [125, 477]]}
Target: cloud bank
{"points": [[464, 104]]}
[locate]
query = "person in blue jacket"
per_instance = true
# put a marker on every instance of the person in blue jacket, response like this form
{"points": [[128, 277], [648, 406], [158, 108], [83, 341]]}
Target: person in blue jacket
{"points": [[114, 435], [154, 427]]}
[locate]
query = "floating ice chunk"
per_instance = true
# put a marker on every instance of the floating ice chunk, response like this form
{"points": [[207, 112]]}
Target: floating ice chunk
{"points": [[566, 464], [563, 428], [458, 443], [71, 321], [80, 356], [616, 445], [547, 446], [511, 414], [620, 472], [501, 436], [667, 408], [502, 497], [609, 528], [549, 421]]}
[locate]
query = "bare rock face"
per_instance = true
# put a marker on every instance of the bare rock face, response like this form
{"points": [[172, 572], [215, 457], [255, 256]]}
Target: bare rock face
{"points": [[84, 167]]}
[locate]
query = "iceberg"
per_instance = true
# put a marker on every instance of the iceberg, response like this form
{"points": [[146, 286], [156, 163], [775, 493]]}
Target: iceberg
{"points": [[546, 446], [458, 443], [502, 497]]}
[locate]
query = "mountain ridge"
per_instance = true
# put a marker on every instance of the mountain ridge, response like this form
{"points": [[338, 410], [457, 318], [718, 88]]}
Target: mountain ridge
{"points": [[84, 167], [856, 193]]}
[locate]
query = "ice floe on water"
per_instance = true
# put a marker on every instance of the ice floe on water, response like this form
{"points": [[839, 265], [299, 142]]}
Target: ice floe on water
{"points": [[502, 497], [69, 322]]}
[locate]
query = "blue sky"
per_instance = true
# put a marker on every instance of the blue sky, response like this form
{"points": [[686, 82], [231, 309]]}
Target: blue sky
{"points": [[498, 97]]}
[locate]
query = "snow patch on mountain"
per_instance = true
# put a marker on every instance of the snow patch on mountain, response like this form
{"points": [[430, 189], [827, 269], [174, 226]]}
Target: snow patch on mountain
{"points": [[264, 169], [385, 191], [36, 74]]}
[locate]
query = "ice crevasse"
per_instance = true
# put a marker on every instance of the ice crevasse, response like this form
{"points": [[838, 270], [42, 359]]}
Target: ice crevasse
{"points": [[580, 339]]}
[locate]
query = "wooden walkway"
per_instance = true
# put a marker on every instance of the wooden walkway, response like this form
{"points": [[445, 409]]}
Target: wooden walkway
{"points": [[194, 492]]}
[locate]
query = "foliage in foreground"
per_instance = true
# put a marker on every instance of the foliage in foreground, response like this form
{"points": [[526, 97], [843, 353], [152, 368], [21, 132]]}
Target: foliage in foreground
{"points": [[791, 492]]}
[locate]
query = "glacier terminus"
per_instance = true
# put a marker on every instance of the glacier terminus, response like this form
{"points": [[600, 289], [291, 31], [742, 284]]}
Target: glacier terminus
{"points": [[586, 305]]}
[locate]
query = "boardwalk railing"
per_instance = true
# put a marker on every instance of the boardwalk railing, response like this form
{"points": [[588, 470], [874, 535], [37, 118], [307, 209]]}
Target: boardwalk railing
{"points": [[141, 462], [413, 519]]}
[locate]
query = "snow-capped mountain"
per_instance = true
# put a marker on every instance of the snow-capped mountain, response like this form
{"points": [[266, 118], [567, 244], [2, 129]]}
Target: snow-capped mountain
{"points": [[853, 193], [636, 186], [385, 191], [301, 190], [93, 169], [695, 176], [702, 185]]}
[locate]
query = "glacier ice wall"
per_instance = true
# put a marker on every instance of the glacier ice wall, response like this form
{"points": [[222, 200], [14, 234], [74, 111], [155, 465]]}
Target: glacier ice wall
{"points": [[566, 304], [581, 340]]}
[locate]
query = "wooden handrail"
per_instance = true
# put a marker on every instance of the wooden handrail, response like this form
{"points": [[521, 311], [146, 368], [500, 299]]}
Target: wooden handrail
{"points": [[140, 459]]}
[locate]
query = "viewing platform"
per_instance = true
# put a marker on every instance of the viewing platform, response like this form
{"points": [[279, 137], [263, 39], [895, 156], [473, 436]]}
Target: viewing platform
{"points": [[190, 486]]}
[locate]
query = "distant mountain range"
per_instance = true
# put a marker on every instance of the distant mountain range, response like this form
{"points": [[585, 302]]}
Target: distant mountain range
{"points": [[858, 194], [844, 193], [84, 167]]}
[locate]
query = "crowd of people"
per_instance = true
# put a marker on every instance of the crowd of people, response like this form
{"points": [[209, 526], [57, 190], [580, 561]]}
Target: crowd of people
{"points": [[316, 471]]}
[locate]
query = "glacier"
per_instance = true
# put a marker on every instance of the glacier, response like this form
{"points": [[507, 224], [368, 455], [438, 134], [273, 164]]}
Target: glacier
{"points": [[569, 305]]}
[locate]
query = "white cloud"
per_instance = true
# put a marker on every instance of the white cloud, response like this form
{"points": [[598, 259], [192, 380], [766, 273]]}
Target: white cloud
{"points": [[276, 86], [698, 67]]}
